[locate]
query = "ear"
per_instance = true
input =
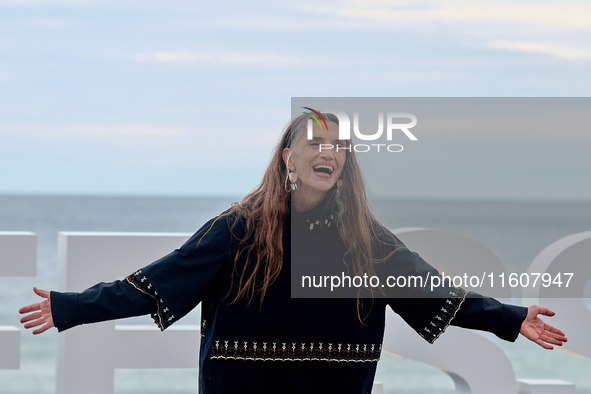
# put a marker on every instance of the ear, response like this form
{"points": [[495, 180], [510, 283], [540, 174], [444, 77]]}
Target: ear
{"points": [[286, 155]]}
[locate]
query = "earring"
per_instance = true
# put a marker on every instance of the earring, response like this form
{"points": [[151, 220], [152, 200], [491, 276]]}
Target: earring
{"points": [[292, 177], [339, 182]]}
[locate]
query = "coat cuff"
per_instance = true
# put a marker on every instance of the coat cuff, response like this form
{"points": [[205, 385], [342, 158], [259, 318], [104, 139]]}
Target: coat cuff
{"points": [[510, 322], [163, 317], [444, 316], [65, 310]]}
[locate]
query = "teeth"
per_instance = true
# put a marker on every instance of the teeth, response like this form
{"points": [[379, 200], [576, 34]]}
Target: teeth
{"points": [[329, 168]]}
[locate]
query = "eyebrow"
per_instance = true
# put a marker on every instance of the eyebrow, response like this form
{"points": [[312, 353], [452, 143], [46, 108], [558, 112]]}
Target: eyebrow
{"points": [[334, 142]]}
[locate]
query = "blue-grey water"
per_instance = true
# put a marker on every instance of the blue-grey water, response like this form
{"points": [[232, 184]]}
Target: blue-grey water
{"points": [[515, 231]]}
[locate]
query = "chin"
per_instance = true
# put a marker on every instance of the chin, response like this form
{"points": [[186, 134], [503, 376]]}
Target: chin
{"points": [[325, 188]]}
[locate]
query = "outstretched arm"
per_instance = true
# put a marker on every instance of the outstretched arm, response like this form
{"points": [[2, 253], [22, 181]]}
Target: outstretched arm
{"points": [[39, 314], [534, 328], [103, 301]]}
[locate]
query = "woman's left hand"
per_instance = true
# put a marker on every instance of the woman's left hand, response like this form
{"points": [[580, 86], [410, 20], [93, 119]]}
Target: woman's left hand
{"points": [[534, 328]]}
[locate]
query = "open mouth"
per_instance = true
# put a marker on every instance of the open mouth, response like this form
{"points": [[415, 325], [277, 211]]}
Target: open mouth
{"points": [[323, 169]]}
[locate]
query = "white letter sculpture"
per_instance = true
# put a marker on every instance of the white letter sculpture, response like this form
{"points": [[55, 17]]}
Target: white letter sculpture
{"points": [[89, 354], [18, 257]]}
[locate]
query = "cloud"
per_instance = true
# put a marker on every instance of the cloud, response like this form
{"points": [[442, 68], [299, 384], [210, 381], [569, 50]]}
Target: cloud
{"points": [[280, 23], [208, 141], [413, 15], [555, 125], [558, 29], [545, 48], [268, 59], [95, 131], [413, 76], [44, 2], [570, 14]]}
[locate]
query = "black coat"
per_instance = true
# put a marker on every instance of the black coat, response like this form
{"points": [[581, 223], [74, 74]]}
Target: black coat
{"points": [[284, 344]]}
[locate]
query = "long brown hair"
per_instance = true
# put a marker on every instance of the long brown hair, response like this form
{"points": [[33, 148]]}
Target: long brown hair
{"points": [[265, 214]]}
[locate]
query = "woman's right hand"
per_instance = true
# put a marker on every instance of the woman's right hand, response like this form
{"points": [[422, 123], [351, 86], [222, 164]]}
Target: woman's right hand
{"points": [[39, 313]]}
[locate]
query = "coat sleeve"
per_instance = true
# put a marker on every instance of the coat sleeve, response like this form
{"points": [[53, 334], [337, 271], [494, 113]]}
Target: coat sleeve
{"points": [[430, 312], [487, 314], [167, 289], [103, 301]]}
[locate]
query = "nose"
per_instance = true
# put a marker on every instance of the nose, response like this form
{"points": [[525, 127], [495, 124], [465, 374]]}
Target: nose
{"points": [[328, 153]]}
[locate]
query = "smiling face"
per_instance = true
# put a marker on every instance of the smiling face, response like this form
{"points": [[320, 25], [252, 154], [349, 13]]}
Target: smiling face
{"points": [[318, 169]]}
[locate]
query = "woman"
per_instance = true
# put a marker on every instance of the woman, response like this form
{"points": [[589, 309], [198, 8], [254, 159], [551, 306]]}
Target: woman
{"points": [[309, 208]]}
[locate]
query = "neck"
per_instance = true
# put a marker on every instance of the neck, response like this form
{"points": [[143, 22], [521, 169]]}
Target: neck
{"points": [[306, 201]]}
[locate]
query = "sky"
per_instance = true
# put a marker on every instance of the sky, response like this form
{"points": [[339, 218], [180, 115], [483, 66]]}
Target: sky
{"points": [[181, 98]]}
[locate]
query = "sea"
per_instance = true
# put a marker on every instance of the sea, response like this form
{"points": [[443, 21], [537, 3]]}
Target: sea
{"points": [[516, 231]]}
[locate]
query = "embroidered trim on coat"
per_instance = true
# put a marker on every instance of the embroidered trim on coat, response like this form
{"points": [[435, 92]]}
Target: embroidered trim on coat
{"points": [[441, 321], [319, 223], [300, 351], [141, 283]]}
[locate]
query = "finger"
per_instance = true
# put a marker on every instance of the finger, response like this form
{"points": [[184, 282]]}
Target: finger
{"points": [[544, 344], [30, 308], [41, 293], [42, 329], [553, 329], [545, 311], [35, 323], [556, 335], [558, 338], [551, 340], [30, 317]]}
